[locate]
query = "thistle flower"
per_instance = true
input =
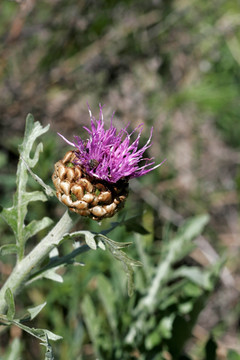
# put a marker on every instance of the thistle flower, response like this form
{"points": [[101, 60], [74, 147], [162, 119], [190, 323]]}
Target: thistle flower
{"points": [[93, 178]]}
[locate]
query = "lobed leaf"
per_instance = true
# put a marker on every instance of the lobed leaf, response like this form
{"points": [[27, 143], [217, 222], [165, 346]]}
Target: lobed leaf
{"points": [[16, 214]]}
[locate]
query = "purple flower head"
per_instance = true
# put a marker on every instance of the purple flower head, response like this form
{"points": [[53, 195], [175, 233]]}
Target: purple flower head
{"points": [[109, 155]]}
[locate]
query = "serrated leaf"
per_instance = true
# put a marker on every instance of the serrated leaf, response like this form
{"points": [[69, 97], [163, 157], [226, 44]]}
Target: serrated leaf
{"points": [[8, 249], [35, 226], [16, 214], [35, 310], [10, 303], [115, 244], [127, 262]]}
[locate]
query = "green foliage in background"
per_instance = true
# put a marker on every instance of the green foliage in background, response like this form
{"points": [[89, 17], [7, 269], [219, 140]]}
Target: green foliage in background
{"points": [[168, 299]]}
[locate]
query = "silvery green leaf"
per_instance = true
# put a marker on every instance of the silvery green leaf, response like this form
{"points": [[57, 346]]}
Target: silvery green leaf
{"points": [[48, 190], [10, 303], [16, 214], [89, 238], [54, 252], [35, 226], [10, 216], [101, 245], [47, 273], [88, 235], [115, 244], [8, 249], [33, 161], [33, 196], [35, 310], [38, 333], [127, 263], [52, 336], [90, 241], [52, 275]]}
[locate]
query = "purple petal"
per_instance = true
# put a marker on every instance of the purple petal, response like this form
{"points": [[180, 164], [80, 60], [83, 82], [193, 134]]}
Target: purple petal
{"points": [[116, 158]]}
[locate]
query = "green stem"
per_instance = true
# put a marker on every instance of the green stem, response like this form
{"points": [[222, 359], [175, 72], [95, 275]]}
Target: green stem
{"points": [[24, 267]]}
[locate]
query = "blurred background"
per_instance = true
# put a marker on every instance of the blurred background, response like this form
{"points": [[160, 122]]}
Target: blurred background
{"points": [[173, 65]]}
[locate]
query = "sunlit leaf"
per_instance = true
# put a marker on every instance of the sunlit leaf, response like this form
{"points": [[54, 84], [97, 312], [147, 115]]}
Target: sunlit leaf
{"points": [[52, 275], [35, 310]]}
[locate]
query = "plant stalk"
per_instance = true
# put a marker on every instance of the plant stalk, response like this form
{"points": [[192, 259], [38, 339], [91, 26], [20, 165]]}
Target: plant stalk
{"points": [[24, 267]]}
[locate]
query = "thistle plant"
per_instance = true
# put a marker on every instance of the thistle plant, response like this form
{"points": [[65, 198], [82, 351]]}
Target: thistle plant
{"points": [[91, 180]]}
